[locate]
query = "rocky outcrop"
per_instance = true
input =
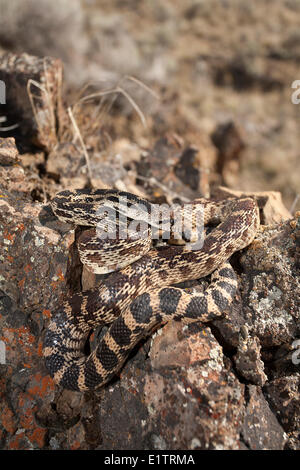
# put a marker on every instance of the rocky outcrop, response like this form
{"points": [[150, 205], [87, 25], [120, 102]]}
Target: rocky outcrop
{"points": [[216, 386]]}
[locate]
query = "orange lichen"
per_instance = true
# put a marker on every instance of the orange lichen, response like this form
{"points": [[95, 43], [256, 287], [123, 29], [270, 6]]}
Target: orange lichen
{"points": [[27, 418], [40, 349], [61, 278], [75, 445], [8, 419], [33, 433], [46, 313], [37, 436], [8, 236], [27, 268], [16, 443], [19, 337], [42, 387], [61, 275]]}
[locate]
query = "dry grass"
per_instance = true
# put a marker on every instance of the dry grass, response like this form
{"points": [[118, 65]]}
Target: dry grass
{"points": [[86, 118]]}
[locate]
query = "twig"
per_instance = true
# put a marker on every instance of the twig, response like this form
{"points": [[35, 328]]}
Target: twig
{"points": [[7, 128], [293, 206], [120, 90], [78, 134], [49, 102], [141, 84]]}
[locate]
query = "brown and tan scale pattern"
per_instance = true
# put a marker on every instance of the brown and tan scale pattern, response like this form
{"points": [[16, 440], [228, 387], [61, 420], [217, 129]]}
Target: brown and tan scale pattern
{"points": [[139, 297]]}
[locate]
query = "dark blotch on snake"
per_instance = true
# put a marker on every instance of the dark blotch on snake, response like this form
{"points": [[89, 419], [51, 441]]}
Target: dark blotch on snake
{"points": [[120, 332], [226, 272], [196, 307], [70, 378], [58, 340], [209, 264], [82, 191], [211, 245], [106, 356], [168, 300], [158, 318], [75, 301], [229, 288], [63, 214], [141, 309], [220, 301], [91, 377], [54, 363]]}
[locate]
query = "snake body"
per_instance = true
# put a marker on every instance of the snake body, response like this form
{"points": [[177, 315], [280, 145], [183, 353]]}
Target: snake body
{"points": [[138, 297]]}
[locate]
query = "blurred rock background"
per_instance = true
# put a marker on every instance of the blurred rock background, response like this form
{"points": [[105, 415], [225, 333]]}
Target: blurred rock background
{"points": [[213, 63]]}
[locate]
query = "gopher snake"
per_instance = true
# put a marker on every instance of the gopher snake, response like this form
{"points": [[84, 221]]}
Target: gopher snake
{"points": [[137, 298]]}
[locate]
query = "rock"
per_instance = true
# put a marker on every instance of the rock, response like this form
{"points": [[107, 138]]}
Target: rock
{"points": [[108, 170], [33, 263], [270, 284], [158, 162], [283, 395], [227, 138], [285, 360], [261, 430], [186, 387], [192, 402], [33, 95], [268, 303], [272, 209], [243, 73], [173, 172], [248, 360], [8, 151], [189, 171], [13, 178], [65, 163], [269, 288]]}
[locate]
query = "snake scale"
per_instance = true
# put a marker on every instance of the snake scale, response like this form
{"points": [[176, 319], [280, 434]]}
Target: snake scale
{"points": [[140, 296]]}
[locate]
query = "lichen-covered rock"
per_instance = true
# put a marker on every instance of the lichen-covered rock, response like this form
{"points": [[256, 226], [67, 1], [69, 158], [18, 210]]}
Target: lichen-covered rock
{"points": [[269, 305], [192, 401], [270, 284], [208, 397], [284, 397], [187, 387], [32, 282], [248, 360], [261, 430]]}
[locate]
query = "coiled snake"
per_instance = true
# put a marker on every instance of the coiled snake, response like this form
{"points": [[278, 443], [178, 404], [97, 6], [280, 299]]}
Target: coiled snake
{"points": [[138, 297]]}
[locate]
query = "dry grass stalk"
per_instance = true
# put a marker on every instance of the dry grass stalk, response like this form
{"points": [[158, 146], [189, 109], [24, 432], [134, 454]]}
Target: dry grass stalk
{"points": [[79, 136], [7, 128]]}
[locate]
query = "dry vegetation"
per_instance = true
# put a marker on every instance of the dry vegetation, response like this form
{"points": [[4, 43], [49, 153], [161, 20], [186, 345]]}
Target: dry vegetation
{"points": [[210, 62]]}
